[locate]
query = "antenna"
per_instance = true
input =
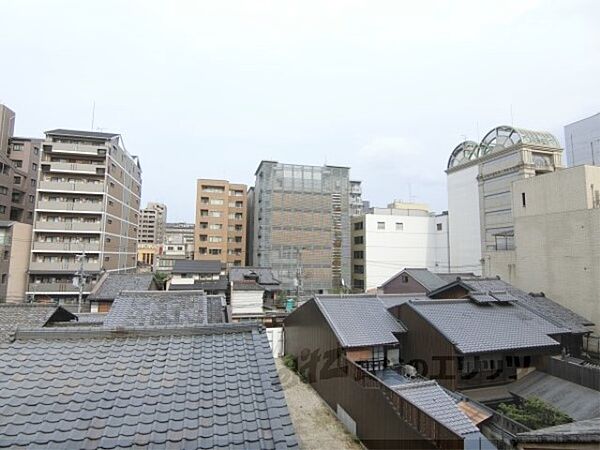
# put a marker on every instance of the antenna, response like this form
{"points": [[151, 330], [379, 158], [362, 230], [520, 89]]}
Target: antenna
{"points": [[93, 114], [512, 122]]}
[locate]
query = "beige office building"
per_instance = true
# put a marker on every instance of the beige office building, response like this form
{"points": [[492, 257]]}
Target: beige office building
{"points": [[19, 164], [87, 204], [220, 231], [153, 220], [15, 244], [557, 238]]}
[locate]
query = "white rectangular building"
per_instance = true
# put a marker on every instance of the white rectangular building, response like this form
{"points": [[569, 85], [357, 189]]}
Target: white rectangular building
{"points": [[388, 240], [582, 141]]}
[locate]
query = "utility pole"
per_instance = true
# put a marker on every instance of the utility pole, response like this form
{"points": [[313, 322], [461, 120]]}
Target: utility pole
{"points": [[81, 278], [298, 273]]}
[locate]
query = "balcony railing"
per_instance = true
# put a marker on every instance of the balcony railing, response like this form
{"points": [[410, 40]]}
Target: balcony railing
{"points": [[67, 246], [69, 266], [69, 226], [64, 147], [57, 287], [56, 205], [428, 427], [73, 167], [71, 186]]}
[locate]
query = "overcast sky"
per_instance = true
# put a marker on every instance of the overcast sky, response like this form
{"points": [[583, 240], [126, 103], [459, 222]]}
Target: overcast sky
{"points": [[207, 89]]}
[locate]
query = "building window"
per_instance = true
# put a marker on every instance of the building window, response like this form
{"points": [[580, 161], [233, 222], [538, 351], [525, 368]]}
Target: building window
{"points": [[359, 254], [17, 180], [3, 190], [31, 198], [523, 200], [438, 226], [381, 225], [359, 268], [399, 226], [3, 278], [358, 239], [2, 209], [214, 251], [358, 225], [34, 166]]}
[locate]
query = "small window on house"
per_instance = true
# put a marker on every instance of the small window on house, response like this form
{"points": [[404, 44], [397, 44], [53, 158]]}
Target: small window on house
{"points": [[3, 278], [399, 226], [107, 258], [381, 225], [405, 278], [438, 226], [523, 200]]}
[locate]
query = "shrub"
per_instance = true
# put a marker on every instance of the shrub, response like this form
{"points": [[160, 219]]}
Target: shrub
{"points": [[290, 362], [535, 414]]}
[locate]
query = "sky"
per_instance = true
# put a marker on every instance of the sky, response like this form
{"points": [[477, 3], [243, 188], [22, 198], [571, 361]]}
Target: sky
{"points": [[208, 89]]}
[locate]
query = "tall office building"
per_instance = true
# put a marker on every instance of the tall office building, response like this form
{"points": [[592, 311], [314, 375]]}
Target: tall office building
{"points": [[87, 210], [480, 211], [582, 141], [153, 220], [19, 164], [220, 231], [301, 229]]}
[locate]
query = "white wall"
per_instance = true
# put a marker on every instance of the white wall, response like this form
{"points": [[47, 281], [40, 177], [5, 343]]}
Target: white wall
{"points": [[582, 141], [418, 244], [464, 220]]}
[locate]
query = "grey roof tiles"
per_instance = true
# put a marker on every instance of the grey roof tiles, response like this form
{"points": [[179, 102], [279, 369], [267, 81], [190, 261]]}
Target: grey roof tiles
{"points": [[192, 266], [16, 316], [164, 308], [206, 387], [431, 398], [474, 328], [263, 275], [114, 283], [583, 431], [359, 321]]}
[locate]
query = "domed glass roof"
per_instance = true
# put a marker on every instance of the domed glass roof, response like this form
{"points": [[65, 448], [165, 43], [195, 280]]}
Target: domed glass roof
{"points": [[499, 138]]}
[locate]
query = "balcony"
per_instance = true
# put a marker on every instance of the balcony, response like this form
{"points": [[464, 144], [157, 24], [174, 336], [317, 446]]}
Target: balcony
{"points": [[64, 266], [71, 187], [55, 205], [38, 288], [67, 246], [76, 148], [90, 169], [69, 226]]}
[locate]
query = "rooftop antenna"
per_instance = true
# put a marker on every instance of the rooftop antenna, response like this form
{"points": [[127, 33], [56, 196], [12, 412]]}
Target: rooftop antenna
{"points": [[93, 114], [512, 122], [477, 128]]}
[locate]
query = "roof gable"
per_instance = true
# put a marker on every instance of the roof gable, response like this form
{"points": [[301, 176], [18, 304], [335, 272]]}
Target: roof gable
{"points": [[359, 321]]}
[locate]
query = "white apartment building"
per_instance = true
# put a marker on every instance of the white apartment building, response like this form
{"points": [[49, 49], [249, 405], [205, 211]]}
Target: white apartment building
{"points": [[388, 240], [582, 141]]}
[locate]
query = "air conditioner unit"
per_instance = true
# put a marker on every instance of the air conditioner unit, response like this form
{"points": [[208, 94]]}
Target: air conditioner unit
{"points": [[409, 371]]}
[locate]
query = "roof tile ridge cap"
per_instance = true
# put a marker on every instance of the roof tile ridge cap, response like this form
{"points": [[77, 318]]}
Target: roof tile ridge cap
{"points": [[415, 384]]}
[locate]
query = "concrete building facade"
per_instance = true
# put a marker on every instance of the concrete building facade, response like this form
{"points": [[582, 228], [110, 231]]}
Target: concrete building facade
{"points": [[220, 229], [87, 208], [505, 154], [15, 245], [19, 165], [153, 220], [388, 240], [356, 201], [301, 225], [582, 141], [179, 244], [557, 237]]}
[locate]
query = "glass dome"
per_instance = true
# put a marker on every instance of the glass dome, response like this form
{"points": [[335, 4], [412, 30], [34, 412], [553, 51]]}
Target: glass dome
{"points": [[505, 136], [464, 152]]}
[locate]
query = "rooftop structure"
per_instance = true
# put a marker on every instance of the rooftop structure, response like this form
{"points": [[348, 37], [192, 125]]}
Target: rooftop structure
{"points": [[582, 141], [110, 285], [198, 387], [583, 434]]}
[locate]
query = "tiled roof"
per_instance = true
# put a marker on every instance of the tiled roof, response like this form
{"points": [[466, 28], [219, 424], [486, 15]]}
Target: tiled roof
{"points": [[359, 321], [425, 278], [540, 305], [578, 402], [192, 266], [476, 328], [27, 315], [198, 285], [264, 275], [164, 308], [583, 431], [114, 283], [391, 300], [431, 398], [205, 387], [247, 285]]}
